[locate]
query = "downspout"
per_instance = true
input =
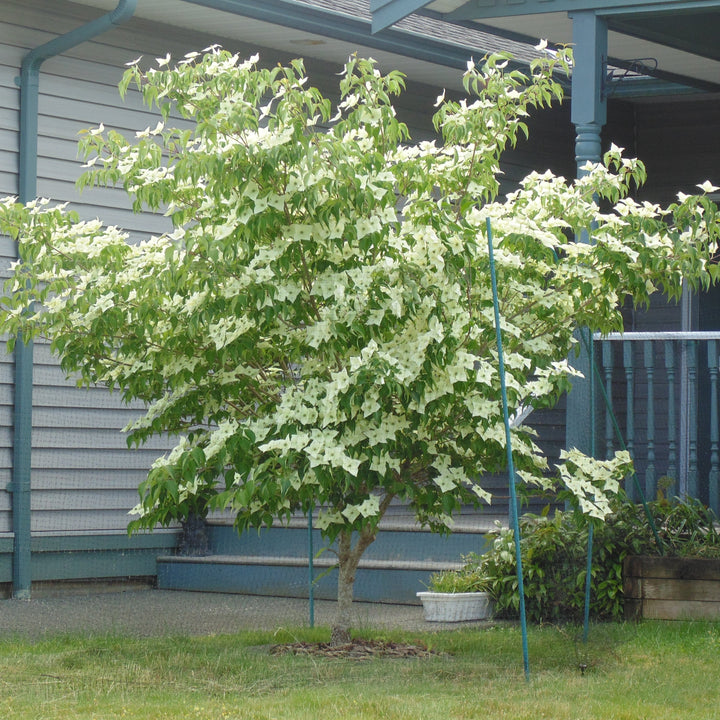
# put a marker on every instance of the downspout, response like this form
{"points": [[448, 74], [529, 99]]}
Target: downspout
{"points": [[29, 82]]}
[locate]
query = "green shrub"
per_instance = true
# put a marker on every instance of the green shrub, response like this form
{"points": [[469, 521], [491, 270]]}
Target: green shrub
{"points": [[554, 556], [469, 578], [687, 528]]}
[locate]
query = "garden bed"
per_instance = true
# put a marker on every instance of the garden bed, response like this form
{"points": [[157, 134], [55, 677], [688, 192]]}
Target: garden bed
{"points": [[671, 588]]}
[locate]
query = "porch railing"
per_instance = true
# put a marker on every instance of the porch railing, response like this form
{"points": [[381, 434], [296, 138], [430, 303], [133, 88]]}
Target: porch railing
{"points": [[662, 389]]}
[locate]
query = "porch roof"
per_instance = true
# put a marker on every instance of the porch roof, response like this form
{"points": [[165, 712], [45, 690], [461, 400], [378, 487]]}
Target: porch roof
{"points": [[426, 49], [674, 39], [431, 40]]}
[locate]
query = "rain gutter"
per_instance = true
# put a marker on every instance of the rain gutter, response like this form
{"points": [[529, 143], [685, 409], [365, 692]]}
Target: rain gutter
{"points": [[29, 82]]}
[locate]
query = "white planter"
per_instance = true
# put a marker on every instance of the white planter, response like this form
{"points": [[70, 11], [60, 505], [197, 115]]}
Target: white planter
{"points": [[456, 607]]}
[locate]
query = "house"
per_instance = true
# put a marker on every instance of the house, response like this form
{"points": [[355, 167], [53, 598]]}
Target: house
{"points": [[67, 479]]}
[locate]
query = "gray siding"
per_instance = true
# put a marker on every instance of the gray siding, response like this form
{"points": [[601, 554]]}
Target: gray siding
{"points": [[84, 479], [680, 145]]}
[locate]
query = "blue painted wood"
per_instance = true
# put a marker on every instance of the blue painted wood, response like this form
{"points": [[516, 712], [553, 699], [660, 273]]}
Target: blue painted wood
{"points": [[6, 558], [274, 562], [629, 409], [588, 114], [589, 106], [714, 475], [672, 468], [160, 542], [387, 12], [95, 564], [389, 545], [371, 585], [91, 557], [692, 475], [486, 9], [681, 451], [649, 362], [607, 361]]}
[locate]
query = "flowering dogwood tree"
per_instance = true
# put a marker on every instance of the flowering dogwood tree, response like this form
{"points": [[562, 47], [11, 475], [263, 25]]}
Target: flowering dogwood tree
{"points": [[316, 329]]}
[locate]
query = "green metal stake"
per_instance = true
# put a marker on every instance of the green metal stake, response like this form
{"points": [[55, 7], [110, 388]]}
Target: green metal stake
{"points": [[623, 446], [588, 341], [588, 583], [311, 578], [508, 444]]}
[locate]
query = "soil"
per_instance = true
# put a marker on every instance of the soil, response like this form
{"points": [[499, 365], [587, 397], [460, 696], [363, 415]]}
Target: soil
{"points": [[355, 650]]}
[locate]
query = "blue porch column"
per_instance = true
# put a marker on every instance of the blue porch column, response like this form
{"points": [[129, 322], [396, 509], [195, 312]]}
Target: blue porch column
{"points": [[588, 114]]}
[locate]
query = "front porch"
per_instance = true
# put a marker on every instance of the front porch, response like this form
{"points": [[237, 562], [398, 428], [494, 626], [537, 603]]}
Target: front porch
{"points": [[657, 395]]}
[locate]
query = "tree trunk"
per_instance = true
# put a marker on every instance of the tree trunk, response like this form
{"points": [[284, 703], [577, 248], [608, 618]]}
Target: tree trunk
{"points": [[348, 560]]}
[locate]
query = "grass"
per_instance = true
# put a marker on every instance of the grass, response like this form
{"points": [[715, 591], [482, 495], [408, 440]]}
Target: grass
{"points": [[652, 670]]}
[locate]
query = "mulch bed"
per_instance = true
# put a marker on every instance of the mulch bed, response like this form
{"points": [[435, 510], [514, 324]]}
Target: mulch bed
{"points": [[355, 650]]}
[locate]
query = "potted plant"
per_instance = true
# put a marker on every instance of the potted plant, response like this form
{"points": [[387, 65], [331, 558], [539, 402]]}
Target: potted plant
{"points": [[181, 493], [457, 595]]}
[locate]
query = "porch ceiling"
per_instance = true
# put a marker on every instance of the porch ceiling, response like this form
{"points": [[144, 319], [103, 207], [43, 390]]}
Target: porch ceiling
{"points": [[425, 49], [676, 39]]}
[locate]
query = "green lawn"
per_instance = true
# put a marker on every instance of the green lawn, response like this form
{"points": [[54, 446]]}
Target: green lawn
{"points": [[653, 670]]}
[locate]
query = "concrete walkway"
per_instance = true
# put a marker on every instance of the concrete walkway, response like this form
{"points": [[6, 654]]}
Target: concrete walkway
{"points": [[166, 612]]}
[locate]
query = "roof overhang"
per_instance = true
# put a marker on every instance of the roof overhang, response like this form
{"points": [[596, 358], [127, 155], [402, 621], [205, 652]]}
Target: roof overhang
{"points": [[425, 49], [675, 40]]}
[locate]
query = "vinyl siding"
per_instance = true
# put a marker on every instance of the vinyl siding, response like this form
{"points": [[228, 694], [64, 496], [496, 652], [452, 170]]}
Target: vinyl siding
{"points": [[84, 478], [678, 143]]}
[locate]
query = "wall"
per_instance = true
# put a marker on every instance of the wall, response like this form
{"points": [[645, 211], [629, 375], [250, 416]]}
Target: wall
{"points": [[84, 479]]}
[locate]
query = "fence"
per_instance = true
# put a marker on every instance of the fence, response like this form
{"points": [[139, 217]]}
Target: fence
{"points": [[662, 388]]}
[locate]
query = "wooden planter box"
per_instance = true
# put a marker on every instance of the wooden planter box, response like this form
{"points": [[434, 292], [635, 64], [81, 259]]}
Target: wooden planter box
{"points": [[670, 588]]}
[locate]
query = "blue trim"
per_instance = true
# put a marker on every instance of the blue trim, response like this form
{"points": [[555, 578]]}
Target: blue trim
{"points": [[22, 452], [589, 68], [27, 190], [91, 557], [588, 113], [654, 81], [156, 541], [474, 10], [408, 544], [387, 585], [387, 12], [99, 556]]}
